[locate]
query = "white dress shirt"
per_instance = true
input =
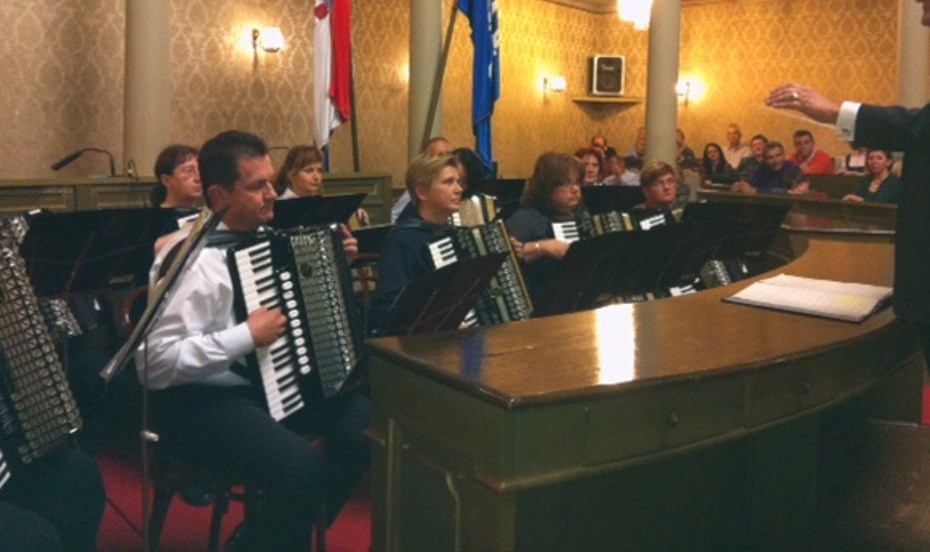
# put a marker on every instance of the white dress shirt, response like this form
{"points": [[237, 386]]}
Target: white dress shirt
{"points": [[197, 338]]}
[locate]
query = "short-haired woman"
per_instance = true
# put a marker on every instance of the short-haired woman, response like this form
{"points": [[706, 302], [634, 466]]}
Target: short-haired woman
{"points": [[434, 185]]}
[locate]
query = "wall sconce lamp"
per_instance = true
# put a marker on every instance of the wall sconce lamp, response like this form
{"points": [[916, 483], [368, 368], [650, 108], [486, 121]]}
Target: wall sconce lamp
{"points": [[683, 89], [269, 39], [555, 84], [637, 12]]}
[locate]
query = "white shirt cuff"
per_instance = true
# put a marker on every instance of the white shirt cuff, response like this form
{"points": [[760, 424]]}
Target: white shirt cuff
{"points": [[846, 121]]}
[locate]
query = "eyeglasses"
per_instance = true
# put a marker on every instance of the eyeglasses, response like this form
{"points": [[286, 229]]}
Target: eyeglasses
{"points": [[570, 184]]}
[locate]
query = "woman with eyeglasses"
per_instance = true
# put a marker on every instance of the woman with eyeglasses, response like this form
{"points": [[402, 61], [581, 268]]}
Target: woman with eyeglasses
{"points": [[552, 195]]}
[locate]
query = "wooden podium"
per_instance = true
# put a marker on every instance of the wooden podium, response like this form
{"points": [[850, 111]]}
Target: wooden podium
{"points": [[680, 424]]}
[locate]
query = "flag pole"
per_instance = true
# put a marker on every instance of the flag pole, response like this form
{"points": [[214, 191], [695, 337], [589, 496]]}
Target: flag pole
{"points": [[437, 80], [353, 120]]}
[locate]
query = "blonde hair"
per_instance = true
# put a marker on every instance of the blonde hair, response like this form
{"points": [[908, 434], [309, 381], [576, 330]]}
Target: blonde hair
{"points": [[424, 169]]}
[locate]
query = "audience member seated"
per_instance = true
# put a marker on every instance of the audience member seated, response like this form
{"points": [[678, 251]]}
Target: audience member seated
{"points": [[301, 175], [736, 151], [776, 176], [880, 186], [473, 185], [853, 163], [593, 163], [53, 504], [686, 158], [599, 142], [434, 184], [634, 160], [660, 188], [714, 167], [436, 145], [747, 167], [617, 173], [211, 417], [178, 178], [809, 159], [552, 194]]}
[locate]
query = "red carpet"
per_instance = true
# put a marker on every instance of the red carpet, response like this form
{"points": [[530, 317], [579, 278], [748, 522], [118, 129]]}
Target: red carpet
{"points": [[187, 528]]}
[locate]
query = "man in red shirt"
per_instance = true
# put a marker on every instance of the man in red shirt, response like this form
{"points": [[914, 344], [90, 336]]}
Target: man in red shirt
{"points": [[805, 156]]}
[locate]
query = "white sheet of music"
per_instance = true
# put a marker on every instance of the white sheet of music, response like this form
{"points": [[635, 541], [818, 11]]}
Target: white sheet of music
{"points": [[851, 302]]}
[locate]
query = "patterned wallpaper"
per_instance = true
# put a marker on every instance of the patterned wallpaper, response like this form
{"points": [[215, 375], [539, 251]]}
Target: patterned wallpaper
{"points": [[845, 48], [61, 84], [63, 71]]}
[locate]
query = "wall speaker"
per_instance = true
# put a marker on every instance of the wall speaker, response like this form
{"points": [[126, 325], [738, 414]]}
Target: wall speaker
{"points": [[607, 75]]}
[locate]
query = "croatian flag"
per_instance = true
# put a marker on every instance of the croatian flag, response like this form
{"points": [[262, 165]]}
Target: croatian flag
{"points": [[486, 80], [332, 67]]}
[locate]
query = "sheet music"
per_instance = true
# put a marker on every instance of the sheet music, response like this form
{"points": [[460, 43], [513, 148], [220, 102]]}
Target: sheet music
{"points": [[838, 300]]}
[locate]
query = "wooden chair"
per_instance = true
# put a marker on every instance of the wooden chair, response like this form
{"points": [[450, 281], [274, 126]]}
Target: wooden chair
{"points": [[170, 476]]}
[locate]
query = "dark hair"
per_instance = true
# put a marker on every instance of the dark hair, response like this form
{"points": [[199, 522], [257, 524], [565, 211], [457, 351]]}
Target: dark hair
{"points": [[474, 170], [581, 152], [168, 160], [802, 132], [772, 145], [551, 171], [709, 167], [888, 156], [297, 158], [220, 155], [759, 137]]}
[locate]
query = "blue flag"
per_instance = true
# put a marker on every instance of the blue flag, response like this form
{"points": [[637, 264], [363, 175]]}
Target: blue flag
{"points": [[486, 79]]}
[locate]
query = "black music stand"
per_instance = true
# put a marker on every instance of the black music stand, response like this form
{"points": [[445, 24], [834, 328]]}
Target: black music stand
{"points": [[440, 299], [315, 210], [756, 225], [597, 270], [604, 199], [506, 190], [370, 238], [92, 251]]}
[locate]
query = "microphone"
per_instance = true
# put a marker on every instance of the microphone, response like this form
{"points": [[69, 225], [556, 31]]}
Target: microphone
{"points": [[66, 160], [70, 158]]}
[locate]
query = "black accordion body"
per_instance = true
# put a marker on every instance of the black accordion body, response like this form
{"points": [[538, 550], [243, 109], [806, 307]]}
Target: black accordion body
{"points": [[305, 273], [37, 410], [598, 224], [507, 298]]}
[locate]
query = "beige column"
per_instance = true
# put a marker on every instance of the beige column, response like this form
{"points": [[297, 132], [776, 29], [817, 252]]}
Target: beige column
{"points": [[425, 48], [661, 99], [147, 103], [913, 56]]}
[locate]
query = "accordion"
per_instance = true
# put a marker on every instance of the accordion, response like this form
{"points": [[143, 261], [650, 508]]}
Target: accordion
{"points": [[476, 210], [507, 298], [599, 224], [37, 410], [304, 273]]}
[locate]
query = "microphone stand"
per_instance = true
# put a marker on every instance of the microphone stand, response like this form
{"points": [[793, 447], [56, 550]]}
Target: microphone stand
{"points": [[72, 157]]}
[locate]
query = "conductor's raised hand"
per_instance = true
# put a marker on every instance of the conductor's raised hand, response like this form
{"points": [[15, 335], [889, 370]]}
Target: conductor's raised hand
{"points": [[805, 100], [266, 326]]}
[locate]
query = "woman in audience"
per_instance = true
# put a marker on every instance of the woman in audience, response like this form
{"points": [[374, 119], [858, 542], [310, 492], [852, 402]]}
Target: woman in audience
{"points": [[301, 175], [714, 166], [434, 184], [552, 194], [593, 163], [880, 186], [178, 176]]}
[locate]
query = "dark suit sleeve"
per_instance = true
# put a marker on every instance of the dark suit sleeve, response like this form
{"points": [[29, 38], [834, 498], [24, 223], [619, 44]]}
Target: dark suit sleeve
{"points": [[891, 128]]}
